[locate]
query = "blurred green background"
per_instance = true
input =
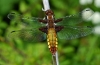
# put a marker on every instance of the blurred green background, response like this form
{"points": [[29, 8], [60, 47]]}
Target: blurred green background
{"points": [[81, 51]]}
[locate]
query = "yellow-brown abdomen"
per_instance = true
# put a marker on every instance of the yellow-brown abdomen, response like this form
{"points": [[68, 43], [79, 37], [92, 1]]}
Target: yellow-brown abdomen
{"points": [[52, 40]]}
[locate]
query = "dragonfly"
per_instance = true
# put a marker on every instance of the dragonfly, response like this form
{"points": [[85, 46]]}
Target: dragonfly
{"points": [[51, 28]]}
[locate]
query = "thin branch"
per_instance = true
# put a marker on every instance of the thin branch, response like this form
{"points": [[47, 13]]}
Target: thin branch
{"points": [[55, 59], [46, 5]]}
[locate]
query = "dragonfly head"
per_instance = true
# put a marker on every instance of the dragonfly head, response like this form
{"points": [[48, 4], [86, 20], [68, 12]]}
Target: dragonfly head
{"points": [[49, 12]]}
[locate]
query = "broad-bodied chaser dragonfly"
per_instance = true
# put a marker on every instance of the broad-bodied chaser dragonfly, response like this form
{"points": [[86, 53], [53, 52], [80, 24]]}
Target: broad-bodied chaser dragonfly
{"points": [[62, 28]]}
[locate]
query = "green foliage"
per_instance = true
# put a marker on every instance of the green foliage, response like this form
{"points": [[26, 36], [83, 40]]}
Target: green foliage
{"points": [[82, 51]]}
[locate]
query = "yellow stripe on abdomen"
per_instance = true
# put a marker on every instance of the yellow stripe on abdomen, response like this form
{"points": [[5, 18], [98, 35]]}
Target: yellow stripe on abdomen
{"points": [[52, 40]]}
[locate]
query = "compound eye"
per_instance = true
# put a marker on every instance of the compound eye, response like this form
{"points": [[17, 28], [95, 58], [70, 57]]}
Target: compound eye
{"points": [[51, 12], [46, 12]]}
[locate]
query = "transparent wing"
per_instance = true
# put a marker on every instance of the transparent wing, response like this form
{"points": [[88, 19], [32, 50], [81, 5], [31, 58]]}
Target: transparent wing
{"points": [[27, 28], [72, 32], [27, 35], [25, 21], [76, 19]]}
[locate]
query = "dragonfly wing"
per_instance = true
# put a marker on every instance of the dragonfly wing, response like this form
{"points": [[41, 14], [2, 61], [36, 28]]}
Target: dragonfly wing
{"points": [[27, 35], [28, 28], [72, 32], [76, 19], [25, 21]]}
